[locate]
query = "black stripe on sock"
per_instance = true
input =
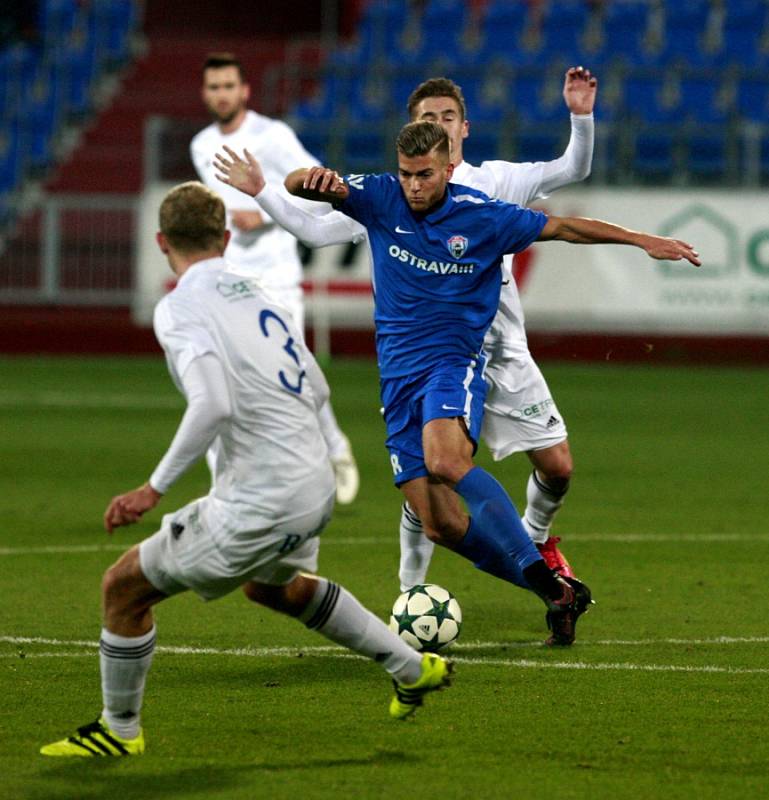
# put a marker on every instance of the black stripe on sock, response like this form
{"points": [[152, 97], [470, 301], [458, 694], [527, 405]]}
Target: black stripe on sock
{"points": [[327, 605], [411, 516], [543, 487], [113, 651]]}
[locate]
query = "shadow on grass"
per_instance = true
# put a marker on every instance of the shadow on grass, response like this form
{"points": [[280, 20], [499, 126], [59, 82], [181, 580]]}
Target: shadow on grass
{"points": [[94, 779]]}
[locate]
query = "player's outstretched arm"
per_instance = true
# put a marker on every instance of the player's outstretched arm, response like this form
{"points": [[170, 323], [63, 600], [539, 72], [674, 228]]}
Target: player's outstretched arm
{"points": [[244, 174], [579, 90], [581, 230], [317, 183]]}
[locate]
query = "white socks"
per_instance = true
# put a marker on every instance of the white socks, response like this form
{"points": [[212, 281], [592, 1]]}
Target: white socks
{"points": [[542, 503], [337, 615], [416, 550], [125, 662]]}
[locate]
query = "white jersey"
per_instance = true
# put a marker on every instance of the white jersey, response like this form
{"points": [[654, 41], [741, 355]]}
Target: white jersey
{"points": [[513, 183], [272, 462], [268, 253]]}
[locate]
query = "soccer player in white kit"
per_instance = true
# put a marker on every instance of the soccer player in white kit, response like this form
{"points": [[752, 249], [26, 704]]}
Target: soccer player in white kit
{"points": [[240, 362], [516, 385], [259, 248]]}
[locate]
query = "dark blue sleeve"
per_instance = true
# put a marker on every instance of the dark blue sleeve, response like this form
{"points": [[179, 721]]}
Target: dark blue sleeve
{"points": [[517, 227]]}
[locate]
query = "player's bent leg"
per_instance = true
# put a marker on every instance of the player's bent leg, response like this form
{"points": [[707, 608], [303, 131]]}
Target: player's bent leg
{"points": [[545, 493], [329, 609]]}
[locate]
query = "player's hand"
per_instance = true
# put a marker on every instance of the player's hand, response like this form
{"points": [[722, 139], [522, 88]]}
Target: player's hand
{"points": [[324, 180], [244, 174], [247, 220], [666, 249], [579, 90], [125, 509]]}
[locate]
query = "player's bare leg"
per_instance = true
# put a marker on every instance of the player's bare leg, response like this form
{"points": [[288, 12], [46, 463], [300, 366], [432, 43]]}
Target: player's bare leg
{"points": [[126, 648]]}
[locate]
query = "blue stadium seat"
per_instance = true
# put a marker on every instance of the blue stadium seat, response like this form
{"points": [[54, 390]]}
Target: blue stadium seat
{"points": [[371, 98], [11, 156], [367, 148], [42, 117], [653, 152], [114, 22], [57, 18], [536, 141], [745, 25], [538, 98], [503, 28], [78, 60], [689, 39], [624, 27], [707, 152], [652, 97], [563, 29], [332, 96], [17, 68], [753, 98], [483, 144], [703, 98]]}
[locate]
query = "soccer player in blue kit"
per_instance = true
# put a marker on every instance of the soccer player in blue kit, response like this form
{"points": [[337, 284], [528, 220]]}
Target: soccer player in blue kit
{"points": [[437, 250]]}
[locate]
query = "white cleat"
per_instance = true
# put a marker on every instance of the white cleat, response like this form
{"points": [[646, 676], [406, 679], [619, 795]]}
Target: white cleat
{"points": [[347, 477]]}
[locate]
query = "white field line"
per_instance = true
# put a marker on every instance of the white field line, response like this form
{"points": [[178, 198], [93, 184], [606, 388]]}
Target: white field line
{"points": [[348, 541], [68, 400], [330, 651]]}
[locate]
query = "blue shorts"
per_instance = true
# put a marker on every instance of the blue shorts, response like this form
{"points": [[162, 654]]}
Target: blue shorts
{"points": [[453, 389]]}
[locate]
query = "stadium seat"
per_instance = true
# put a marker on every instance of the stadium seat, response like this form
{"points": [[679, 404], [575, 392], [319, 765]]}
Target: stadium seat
{"points": [[563, 29], [538, 98], [706, 152], [652, 97], [78, 60], [704, 98], [744, 33], [536, 141], [653, 152], [371, 98], [505, 28], [42, 117], [753, 98], [331, 97], [625, 26], [367, 148]]}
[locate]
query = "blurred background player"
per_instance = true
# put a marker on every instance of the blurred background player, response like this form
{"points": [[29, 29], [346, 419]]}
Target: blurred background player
{"points": [[240, 362], [259, 248], [520, 414]]}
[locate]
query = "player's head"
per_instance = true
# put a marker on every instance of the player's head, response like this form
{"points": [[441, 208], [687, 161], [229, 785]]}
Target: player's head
{"points": [[424, 167], [441, 100], [225, 91], [192, 224]]}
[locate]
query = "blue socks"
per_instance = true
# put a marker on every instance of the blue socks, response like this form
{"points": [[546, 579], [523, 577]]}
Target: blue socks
{"points": [[496, 541]]}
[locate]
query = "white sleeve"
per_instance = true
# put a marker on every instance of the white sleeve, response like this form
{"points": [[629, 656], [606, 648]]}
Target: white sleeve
{"points": [[574, 165], [205, 387], [313, 230]]}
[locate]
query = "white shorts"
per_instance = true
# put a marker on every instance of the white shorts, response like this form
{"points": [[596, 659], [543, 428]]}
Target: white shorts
{"points": [[183, 554], [520, 414]]}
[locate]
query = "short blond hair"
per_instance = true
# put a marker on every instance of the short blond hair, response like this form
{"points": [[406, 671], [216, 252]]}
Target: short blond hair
{"points": [[193, 219], [421, 138]]}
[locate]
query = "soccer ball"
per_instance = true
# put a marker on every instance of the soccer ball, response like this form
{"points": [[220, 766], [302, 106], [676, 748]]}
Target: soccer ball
{"points": [[427, 617]]}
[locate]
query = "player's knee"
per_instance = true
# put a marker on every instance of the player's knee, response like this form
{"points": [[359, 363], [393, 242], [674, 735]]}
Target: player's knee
{"points": [[446, 467], [556, 470], [291, 598], [118, 590], [446, 533]]}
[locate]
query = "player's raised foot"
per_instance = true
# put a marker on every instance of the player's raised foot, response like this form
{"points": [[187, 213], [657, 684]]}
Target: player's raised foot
{"points": [[95, 739], [435, 675], [554, 558], [562, 615], [346, 474]]}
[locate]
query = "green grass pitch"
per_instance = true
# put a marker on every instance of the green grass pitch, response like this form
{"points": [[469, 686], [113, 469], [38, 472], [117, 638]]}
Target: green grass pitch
{"points": [[664, 695]]}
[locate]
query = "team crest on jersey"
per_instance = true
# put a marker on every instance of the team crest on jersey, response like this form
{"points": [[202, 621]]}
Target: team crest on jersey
{"points": [[457, 246]]}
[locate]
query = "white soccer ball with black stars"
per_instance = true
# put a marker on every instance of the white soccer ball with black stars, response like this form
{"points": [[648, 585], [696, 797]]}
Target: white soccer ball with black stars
{"points": [[427, 617]]}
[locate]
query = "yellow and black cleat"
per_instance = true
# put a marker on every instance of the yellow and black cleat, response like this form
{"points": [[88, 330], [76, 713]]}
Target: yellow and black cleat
{"points": [[408, 697], [95, 739]]}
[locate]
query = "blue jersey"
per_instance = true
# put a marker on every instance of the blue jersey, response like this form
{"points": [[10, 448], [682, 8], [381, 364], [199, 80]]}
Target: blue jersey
{"points": [[437, 276]]}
